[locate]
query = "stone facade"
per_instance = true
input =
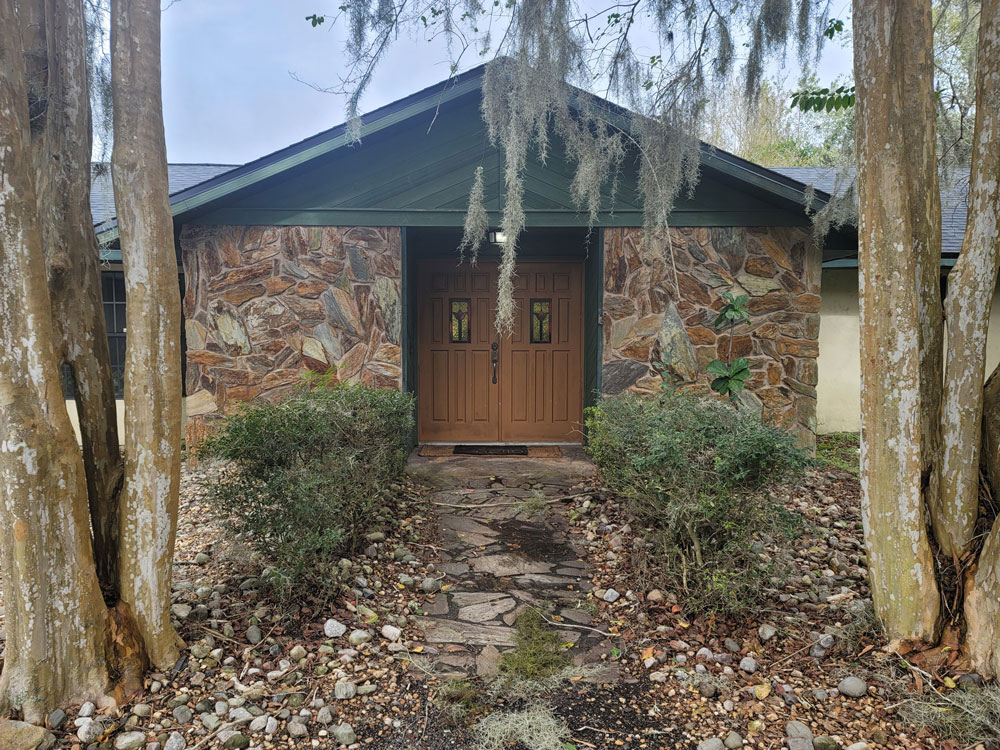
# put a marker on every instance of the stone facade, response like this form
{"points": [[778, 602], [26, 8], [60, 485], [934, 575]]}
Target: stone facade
{"points": [[660, 302], [264, 304]]}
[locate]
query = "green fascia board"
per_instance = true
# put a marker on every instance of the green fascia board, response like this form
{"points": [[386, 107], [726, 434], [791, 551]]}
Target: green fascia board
{"points": [[456, 217]]}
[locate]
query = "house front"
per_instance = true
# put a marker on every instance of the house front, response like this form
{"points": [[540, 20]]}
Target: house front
{"points": [[330, 254]]}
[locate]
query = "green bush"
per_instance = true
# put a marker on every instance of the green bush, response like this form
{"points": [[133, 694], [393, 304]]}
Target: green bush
{"points": [[309, 475], [696, 471]]}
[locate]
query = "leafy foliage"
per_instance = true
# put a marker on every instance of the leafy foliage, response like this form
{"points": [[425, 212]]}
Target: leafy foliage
{"points": [[308, 476], [824, 99], [731, 376], [697, 471], [839, 449]]}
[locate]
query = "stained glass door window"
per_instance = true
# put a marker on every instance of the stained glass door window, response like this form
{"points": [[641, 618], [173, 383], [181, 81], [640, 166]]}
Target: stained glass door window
{"points": [[460, 330], [541, 321]]}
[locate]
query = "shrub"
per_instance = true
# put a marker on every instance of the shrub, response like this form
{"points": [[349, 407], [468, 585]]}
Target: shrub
{"points": [[695, 470], [310, 474]]}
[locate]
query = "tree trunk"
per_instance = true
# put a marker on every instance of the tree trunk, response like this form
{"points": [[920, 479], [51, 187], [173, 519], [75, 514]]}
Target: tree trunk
{"points": [[61, 136], [973, 293], [55, 616], [896, 217], [153, 318]]}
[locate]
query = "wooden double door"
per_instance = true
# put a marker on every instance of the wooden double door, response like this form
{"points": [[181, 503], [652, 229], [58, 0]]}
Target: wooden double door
{"points": [[477, 386]]}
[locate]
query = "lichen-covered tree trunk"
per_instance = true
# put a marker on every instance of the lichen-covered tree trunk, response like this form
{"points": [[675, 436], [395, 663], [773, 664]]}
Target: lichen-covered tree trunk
{"points": [[892, 52], [968, 308], [56, 51], [153, 362], [55, 618]]}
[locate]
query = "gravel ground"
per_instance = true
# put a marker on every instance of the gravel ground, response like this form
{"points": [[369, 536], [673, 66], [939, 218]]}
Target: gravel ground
{"points": [[321, 673]]}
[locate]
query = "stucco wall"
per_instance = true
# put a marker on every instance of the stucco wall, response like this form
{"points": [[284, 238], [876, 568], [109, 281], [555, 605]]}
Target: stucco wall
{"points": [[838, 407], [661, 298], [264, 304]]}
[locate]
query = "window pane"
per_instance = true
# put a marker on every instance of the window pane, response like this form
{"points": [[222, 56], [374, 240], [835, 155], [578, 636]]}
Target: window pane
{"points": [[459, 332], [541, 321], [119, 287], [109, 317]]}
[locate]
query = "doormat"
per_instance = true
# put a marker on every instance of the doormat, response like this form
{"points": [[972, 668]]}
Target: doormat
{"points": [[491, 451]]}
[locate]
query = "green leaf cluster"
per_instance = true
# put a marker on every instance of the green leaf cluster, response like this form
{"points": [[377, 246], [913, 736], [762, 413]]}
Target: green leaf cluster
{"points": [[301, 481], [699, 474], [824, 99], [730, 379]]}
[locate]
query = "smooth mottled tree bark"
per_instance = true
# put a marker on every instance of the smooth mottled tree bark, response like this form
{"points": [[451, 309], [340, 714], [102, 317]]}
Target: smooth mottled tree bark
{"points": [[153, 318], [968, 310], [893, 68], [56, 53], [55, 618]]}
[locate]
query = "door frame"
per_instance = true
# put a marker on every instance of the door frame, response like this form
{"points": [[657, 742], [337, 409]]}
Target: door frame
{"points": [[415, 309]]}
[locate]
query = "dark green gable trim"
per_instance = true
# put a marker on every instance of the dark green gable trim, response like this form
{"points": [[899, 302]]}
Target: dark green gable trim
{"points": [[415, 164]]}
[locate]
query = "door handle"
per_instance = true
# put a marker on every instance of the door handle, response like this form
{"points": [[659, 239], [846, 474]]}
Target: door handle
{"points": [[494, 358]]}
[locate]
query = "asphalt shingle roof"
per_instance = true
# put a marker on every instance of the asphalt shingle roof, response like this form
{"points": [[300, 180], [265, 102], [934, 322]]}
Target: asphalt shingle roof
{"points": [[179, 177], [954, 196]]}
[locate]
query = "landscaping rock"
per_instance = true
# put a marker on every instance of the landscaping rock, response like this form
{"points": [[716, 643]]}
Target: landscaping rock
{"points": [[358, 637], [853, 687], [345, 690], [611, 596], [89, 732], [254, 636], [430, 585], [344, 734], [733, 740], [334, 628], [23, 736], [825, 742], [130, 741], [391, 632], [711, 744], [797, 729], [749, 665], [57, 718], [297, 653], [766, 632], [175, 741], [236, 741]]}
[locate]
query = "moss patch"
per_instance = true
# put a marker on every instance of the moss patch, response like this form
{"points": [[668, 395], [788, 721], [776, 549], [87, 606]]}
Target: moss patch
{"points": [[839, 449], [539, 653]]}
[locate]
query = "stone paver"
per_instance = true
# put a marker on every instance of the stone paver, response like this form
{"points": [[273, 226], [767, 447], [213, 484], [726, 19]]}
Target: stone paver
{"points": [[504, 551]]}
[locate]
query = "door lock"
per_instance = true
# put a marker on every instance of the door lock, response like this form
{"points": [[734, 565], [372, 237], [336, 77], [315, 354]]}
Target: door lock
{"points": [[494, 358]]}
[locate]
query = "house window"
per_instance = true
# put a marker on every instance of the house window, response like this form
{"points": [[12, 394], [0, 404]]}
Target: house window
{"points": [[541, 321], [460, 332], [113, 292]]}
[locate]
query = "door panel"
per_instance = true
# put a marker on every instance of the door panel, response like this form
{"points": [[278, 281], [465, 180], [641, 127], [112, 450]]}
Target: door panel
{"points": [[456, 398], [541, 363], [539, 393]]}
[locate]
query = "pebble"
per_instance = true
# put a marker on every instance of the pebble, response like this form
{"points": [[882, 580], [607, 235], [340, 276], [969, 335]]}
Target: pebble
{"points": [[766, 632], [202, 559], [90, 731], [654, 596], [298, 652], [825, 742], [258, 724], [175, 741], [130, 741], [325, 715], [236, 740], [297, 729], [345, 690], [183, 714], [271, 726], [391, 632], [358, 637], [87, 709], [334, 628], [859, 746], [57, 718], [611, 596], [713, 743], [798, 729], [853, 687], [344, 734], [430, 585], [181, 611], [749, 665], [254, 635], [733, 740]]}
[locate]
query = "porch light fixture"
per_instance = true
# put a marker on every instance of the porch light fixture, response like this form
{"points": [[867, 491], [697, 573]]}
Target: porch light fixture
{"points": [[497, 237]]}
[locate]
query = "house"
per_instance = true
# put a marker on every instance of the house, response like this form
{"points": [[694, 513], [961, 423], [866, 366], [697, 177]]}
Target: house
{"points": [[332, 254]]}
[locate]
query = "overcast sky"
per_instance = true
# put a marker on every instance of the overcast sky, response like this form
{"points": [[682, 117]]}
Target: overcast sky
{"points": [[228, 92]]}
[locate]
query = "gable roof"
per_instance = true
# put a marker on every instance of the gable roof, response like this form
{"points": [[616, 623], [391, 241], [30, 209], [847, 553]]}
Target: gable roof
{"points": [[767, 189], [954, 198]]}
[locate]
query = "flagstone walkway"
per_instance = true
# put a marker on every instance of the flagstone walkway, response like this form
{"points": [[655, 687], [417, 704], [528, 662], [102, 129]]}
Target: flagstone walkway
{"points": [[505, 546]]}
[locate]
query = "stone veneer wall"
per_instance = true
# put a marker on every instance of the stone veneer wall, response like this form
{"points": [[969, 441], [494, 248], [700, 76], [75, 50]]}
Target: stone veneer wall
{"points": [[657, 307], [264, 304]]}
